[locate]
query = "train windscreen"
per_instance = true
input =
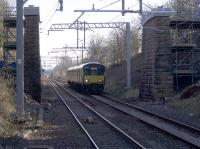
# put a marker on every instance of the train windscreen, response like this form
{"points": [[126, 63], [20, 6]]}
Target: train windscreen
{"points": [[94, 70]]}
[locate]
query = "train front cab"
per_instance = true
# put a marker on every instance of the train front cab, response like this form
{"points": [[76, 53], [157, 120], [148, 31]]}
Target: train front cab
{"points": [[93, 78]]}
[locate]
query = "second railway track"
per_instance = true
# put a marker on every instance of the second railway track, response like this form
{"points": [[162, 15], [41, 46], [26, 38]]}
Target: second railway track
{"points": [[182, 131]]}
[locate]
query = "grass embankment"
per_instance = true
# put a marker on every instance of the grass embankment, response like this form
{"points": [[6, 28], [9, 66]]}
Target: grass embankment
{"points": [[121, 91], [190, 105], [7, 106], [188, 100]]}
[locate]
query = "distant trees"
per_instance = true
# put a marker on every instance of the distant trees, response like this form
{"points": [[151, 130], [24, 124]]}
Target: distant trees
{"points": [[111, 50], [61, 69], [136, 41], [96, 48], [186, 9], [114, 44]]}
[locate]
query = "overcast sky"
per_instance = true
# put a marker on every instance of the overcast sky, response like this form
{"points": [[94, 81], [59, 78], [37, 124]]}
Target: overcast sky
{"points": [[48, 16]]}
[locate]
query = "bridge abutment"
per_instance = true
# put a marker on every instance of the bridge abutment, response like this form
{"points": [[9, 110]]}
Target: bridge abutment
{"points": [[32, 71], [157, 77]]}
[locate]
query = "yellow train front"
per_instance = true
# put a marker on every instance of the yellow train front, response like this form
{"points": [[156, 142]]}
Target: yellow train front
{"points": [[88, 77]]}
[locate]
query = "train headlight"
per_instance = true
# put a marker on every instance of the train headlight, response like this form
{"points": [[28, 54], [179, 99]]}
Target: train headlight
{"points": [[86, 81], [100, 80]]}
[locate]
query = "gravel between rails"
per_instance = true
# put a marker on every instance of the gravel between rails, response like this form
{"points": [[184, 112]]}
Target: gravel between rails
{"points": [[104, 136]]}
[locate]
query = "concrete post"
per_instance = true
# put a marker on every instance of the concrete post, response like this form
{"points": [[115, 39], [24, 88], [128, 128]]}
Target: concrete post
{"points": [[20, 62], [128, 53]]}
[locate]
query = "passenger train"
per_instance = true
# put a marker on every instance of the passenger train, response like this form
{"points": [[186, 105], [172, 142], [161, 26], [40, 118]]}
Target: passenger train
{"points": [[88, 77]]}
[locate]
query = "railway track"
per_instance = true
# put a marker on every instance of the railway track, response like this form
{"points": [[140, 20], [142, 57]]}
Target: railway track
{"points": [[191, 128], [132, 143], [181, 125], [75, 117], [180, 130]]}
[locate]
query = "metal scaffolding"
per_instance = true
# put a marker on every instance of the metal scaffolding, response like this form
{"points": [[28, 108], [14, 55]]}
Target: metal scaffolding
{"points": [[9, 30], [185, 52]]}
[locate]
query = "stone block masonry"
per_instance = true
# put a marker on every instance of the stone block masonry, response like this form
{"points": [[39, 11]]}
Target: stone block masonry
{"points": [[157, 78], [32, 75]]}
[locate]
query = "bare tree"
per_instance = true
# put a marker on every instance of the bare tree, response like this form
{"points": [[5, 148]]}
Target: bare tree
{"points": [[186, 9], [136, 41], [111, 50], [60, 71], [96, 48], [115, 46]]}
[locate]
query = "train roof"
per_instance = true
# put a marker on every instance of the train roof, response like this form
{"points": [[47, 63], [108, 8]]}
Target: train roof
{"points": [[82, 65]]}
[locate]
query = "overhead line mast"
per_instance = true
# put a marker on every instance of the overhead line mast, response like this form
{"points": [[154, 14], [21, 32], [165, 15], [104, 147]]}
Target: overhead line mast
{"points": [[20, 58], [20, 62]]}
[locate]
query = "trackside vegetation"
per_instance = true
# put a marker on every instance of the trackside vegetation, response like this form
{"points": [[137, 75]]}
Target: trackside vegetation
{"points": [[7, 106]]}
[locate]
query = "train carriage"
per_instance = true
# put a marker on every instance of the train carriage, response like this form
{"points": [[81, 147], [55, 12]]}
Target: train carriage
{"points": [[87, 77]]}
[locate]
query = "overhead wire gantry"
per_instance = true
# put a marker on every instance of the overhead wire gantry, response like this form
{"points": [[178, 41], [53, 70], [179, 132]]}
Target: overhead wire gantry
{"points": [[83, 26]]}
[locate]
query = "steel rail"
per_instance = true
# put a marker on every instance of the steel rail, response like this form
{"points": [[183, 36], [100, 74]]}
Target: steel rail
{"points": [[129, 138], [195, 143], [196, 130], [79, 123]]}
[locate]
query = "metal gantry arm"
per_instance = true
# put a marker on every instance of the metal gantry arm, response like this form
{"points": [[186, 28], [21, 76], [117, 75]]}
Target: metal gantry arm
{"points": [[85, 25], [104, 25], [66, 49]]}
